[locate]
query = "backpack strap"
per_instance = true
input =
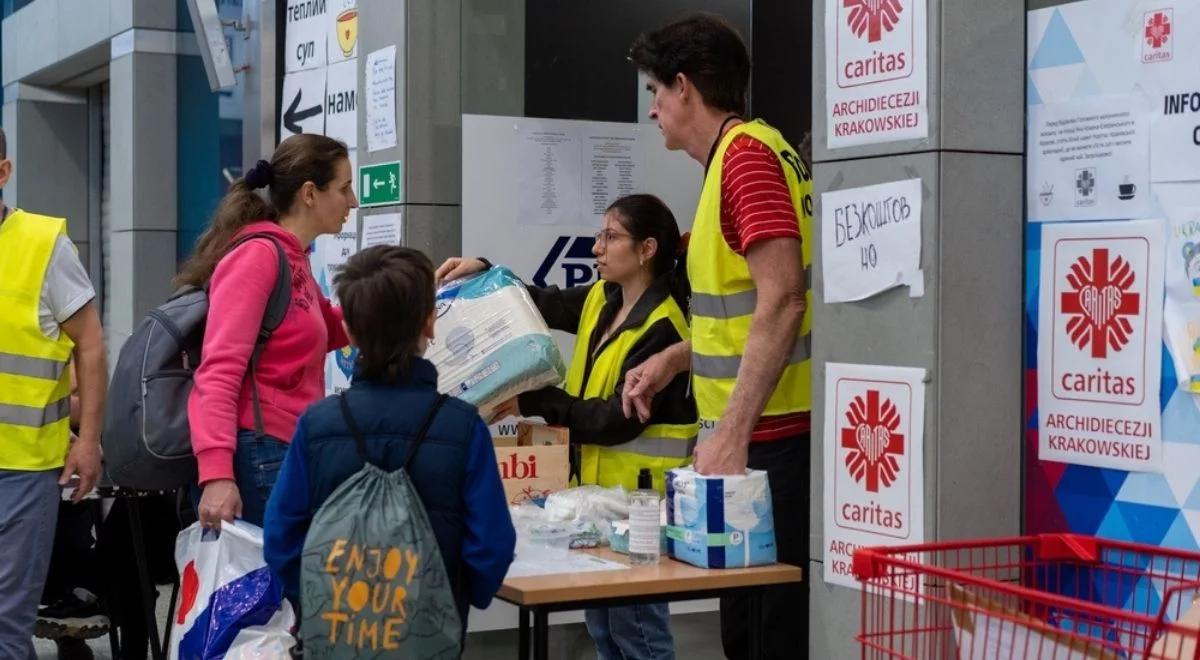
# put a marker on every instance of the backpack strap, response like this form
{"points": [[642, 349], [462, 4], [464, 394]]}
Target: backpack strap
{"points": [[277, 307], [360, 440]]}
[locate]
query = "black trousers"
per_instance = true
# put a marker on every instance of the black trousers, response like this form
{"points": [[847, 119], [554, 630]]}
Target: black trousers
{"points": [[784, 607]]}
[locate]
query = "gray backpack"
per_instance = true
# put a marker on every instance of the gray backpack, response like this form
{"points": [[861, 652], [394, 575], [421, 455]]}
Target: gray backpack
{"points": [[147, 443], [372, 580]]}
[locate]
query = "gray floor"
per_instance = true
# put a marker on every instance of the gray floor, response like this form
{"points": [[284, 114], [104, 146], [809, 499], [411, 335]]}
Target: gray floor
{"points": [[697, 637]]}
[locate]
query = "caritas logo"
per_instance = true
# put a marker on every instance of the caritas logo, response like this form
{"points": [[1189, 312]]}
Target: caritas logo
{"points": [[874, 41], [872, 17], [1158, 42], [873, 440], [1099, 303]]}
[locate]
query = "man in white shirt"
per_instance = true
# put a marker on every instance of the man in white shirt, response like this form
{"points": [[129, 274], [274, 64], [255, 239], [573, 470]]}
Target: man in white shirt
{"points": [[35, 457]]}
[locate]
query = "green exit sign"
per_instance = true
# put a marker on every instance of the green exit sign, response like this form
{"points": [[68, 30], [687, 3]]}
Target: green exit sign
{"points": [[379, 184]]}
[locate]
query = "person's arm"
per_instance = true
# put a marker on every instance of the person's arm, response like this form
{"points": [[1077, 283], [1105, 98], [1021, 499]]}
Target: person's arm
{"points": [[91, 364], [490, 540], [601, 421], [775, 265], [333, 325], [75, 410], [237, 297], [288, 516], [562, 308]]}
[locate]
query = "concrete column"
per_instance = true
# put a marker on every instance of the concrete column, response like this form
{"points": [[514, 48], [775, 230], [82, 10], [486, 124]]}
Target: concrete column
{"points": [[967, 328], [143, 178], [427, 36], [47, 135]]}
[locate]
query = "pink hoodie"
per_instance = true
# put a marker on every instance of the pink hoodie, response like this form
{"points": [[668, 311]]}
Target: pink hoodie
{"points": [[291, 369]]}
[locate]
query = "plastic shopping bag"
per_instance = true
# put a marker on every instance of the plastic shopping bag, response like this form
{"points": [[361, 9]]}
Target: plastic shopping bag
{"points": [[230, 604]]}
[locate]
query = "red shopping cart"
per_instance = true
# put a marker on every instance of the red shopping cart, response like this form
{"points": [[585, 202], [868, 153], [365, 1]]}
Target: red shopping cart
{"points": [[1051, 596]]}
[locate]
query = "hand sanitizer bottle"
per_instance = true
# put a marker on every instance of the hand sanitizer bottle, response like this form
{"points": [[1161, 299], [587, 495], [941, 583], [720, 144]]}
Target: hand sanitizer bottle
{"points": [[644, 521]]}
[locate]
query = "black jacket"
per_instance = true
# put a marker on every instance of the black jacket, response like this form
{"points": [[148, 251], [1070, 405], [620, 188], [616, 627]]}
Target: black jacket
{"points": [[602, 421]]}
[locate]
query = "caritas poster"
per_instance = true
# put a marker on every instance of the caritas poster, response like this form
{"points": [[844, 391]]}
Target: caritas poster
{"points": [[874, 463], [1099, 346], [875, 78]]}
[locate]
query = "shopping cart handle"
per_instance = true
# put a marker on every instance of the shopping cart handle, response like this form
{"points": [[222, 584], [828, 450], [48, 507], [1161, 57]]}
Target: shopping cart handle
{"points": [[867, 564], [1067, 546]]}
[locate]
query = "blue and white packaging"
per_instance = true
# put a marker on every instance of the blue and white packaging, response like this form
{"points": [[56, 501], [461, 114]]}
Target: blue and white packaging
{"points": [[491, 342], [230, 603], [720, 521]]}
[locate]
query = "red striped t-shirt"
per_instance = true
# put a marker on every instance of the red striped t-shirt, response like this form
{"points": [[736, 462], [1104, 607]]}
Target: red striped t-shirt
{"points": [[756, 206]]}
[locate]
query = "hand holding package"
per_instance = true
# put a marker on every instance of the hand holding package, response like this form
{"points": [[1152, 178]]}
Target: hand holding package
{"points": [[492, 344]]}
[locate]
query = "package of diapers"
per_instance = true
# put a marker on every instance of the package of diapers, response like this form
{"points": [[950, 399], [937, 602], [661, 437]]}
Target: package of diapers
{"points": [[491, 343], [720, 522]]}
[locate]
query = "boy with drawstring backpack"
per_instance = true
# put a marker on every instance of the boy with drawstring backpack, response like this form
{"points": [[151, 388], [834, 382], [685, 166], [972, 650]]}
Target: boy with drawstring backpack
{"points": [[389, 519]]}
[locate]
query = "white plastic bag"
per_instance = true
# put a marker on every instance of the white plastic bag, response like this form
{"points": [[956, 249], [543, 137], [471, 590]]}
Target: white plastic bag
{"points": [[230, 603]]}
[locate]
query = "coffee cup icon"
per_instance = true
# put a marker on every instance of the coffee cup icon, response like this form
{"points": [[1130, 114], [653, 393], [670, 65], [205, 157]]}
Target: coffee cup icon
{"points": [[347, 31], [1126, 190]]}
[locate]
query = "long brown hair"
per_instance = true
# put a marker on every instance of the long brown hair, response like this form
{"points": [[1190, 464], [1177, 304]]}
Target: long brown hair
{"points": [[297, 160], [387, 295]]}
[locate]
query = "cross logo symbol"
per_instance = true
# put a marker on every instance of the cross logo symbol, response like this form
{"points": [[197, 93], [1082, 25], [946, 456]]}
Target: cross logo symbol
{"points": [[1099, 303], [1158, 29], [873, 440], [873, 17]]}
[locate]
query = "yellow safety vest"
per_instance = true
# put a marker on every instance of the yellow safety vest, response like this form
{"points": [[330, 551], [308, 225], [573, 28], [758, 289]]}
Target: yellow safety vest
{"points": [[660, 447], [724, 296], [35, 386]]}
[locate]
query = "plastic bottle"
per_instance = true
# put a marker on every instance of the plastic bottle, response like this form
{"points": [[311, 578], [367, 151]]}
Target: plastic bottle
{"points": [[644, 521]]}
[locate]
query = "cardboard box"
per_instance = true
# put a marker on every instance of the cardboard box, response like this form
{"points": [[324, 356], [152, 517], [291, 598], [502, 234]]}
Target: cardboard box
{"points": [[985, 628], [1174, 644], [535, 463]]}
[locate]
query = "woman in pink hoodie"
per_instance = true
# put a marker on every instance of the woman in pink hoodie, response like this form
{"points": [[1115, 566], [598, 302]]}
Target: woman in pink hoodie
{"points": [[309, 184]]}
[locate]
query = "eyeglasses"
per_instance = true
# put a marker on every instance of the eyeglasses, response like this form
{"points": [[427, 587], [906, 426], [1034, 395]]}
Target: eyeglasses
{"points": [[608, 236]]}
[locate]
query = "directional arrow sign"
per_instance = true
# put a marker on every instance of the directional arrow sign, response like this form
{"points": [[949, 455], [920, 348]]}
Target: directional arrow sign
{"points": [[379, 184], [304, 103]]}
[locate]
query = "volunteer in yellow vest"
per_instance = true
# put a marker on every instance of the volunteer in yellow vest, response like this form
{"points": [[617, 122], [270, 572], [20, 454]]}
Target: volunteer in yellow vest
{"points": [[747, 266], [46, 318], [632, 313]]}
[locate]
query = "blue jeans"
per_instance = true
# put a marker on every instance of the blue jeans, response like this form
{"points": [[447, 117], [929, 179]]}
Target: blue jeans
{"points": [[28, 512], [256, 467], [632, 632]]}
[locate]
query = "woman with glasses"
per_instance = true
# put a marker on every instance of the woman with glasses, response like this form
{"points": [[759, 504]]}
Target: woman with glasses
{"points": [[635, 310]]}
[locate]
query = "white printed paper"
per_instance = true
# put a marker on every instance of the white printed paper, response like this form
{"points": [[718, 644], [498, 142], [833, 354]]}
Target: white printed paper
{"points": [[303, 109], [383, 229], [875, 71], [381, 99], [1089, 160], [342, 30], [611, 168], [874, 449], [548, 161], [871, 240], [341, 102], [1099, 344], [1175, 137], [530, 563], [304, 40]]}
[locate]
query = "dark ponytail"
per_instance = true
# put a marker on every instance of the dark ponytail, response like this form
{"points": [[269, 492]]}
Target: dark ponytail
{"points": [[646, 216], [296, 161]]}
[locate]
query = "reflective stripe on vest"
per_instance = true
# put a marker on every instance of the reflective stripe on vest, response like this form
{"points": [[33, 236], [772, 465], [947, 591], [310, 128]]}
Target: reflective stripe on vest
{"points": [[724, 296], [732, 305], [33, 367], [660, 446], [726, 366], [35, 417], [35, 384]]}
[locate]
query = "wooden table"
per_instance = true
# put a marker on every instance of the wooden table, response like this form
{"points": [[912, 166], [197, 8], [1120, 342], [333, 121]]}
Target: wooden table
{"points": [[669, 580]]}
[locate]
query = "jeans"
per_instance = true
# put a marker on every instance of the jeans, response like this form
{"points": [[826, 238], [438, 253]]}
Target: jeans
{"points": [[28, 512], [256, 467], [784, 623], [632, 632]]}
